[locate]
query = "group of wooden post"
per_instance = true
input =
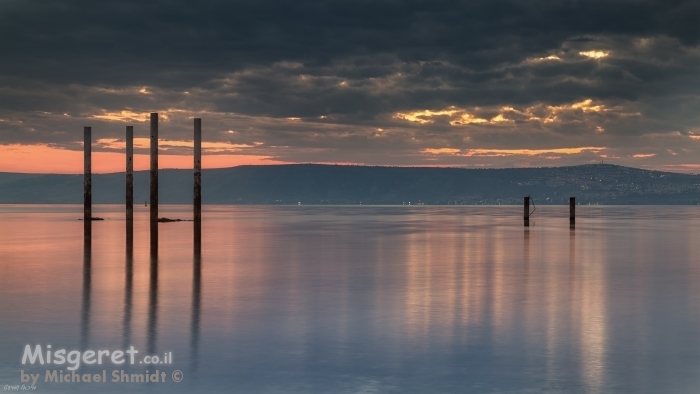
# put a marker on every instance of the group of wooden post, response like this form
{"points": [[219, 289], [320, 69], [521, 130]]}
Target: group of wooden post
{"points": [[572, 211], [87, 184], [197, 216]]}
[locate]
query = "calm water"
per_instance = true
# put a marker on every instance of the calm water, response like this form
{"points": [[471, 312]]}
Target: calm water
{"points": [[361, 299]]}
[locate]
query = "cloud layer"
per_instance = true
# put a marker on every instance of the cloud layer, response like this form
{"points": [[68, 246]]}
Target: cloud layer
{"points": [[486, 83]]}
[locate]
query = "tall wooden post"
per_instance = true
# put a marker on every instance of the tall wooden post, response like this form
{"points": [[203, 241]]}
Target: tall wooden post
{"points": [[87, 236], [572, 211], [197, 169], [87, 177], [154, 168], [526, 211], [129, 172]]}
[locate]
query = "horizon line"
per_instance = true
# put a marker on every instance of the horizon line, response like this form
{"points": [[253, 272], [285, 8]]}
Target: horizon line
{"points": [[370, 165]]}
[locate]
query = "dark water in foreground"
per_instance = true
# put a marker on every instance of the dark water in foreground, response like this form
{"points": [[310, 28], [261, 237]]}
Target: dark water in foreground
{"points": [[360, 299]]}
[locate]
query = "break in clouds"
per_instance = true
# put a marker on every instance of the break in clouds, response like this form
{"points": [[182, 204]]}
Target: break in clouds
{"points": [[475, 83]]}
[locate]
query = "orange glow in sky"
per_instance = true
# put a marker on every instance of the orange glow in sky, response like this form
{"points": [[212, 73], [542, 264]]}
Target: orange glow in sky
{"points": [[48, 160]]}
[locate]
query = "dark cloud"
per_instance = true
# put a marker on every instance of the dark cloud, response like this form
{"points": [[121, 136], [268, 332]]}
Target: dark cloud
{"points": [[348, 80]]}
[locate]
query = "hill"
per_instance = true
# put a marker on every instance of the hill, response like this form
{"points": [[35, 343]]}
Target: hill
{"points": [[335, 184]]}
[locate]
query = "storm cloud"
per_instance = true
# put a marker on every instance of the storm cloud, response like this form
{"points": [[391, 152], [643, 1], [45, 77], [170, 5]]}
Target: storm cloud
{"points": [[474, 83]]}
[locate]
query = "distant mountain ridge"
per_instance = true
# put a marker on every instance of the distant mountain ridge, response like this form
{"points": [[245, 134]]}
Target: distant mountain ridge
{"points": [[342, 184]]}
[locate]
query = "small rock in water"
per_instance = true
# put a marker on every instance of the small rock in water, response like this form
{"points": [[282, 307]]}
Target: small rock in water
{"points": [[168, 220]]}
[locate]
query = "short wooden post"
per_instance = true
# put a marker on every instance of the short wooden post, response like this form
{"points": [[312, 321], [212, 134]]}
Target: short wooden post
{"points": [[154, 168], [129, 172], [526, 211], [572, 211], [197, 169], [87, 177]]}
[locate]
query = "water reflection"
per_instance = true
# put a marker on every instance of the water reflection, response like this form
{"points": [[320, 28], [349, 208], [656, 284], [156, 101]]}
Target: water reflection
{"points": [[591, 286], [572, 253], [526, 248], [128, 284], [87, 285], [196, 295], [87, 230], [368, 300], [152, 325]]}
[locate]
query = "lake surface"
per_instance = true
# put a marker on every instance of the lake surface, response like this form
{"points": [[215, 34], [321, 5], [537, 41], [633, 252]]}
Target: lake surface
{"points": [[359, 299]]}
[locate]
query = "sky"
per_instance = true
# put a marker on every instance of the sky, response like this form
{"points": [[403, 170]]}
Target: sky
{"points": [[497, 83]]}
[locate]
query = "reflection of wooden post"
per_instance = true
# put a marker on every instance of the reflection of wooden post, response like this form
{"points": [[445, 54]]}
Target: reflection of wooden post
{"points": [[87, 178], [196, 296], [197, 169], [154, 167], [129, 285], [526, 211], [129, 172], [87, 292], [152, 322], [572, 211]]}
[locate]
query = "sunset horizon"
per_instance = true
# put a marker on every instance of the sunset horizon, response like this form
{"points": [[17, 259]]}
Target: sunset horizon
{"points": [[423, 87]]}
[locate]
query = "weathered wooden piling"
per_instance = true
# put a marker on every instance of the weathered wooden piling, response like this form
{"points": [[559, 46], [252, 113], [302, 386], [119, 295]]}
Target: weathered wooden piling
{"points": [[572, 211], [154, 167], [197, 169], [87, 177], [526, 211], [129, 172], [87, 234]]}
